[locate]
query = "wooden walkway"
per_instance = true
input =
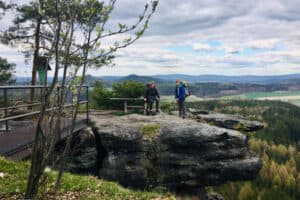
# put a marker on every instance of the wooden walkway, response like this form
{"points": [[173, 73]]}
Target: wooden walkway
{"points": [[19, 127], [16, 144]]}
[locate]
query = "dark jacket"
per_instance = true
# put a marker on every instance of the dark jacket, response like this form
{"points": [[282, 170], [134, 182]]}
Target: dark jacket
{"points": [[151, 94]]}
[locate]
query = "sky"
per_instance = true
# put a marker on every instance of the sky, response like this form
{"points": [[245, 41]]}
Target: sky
{"points": [[224, 37]]}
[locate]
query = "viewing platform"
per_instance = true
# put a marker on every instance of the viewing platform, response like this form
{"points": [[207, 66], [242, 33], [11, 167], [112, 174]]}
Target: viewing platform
{"points": [[18, 119]]}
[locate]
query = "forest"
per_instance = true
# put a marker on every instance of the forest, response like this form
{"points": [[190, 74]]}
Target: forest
{"points": [[277, 145]]}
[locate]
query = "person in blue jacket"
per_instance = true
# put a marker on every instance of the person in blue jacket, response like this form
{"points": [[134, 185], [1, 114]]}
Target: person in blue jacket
{"points": [[181, 92]]}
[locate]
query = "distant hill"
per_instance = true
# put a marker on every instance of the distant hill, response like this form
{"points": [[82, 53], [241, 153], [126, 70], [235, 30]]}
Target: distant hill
{"points": [[109, 80], [230, 79], [171, 78], [204, 85], [144, 79]]}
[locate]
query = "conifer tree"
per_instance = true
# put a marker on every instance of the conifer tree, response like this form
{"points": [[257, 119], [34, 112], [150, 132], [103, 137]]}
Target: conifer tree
{"points": [[27, 30], [6, 70]]}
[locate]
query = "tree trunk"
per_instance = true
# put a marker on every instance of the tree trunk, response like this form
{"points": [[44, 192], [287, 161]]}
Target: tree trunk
{"points": [[36, 161], [74, 116], [38, 151], [35, 58]]}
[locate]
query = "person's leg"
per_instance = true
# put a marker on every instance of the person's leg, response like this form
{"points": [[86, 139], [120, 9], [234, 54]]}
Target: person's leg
{"points": [[150, 106], [157, 105], [183, 109], [180, 108]]}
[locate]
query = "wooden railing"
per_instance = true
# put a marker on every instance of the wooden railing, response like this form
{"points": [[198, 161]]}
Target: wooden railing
{"points": [[6, 108]]}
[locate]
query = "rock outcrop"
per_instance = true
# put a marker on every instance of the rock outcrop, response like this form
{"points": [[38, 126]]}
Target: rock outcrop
{"points": [[83, 155], [164, 150], [235, 122]]}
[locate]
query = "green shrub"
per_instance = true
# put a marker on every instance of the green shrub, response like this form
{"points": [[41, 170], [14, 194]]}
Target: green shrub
{"points": [[100, 95], [168, 107], [129, 89]]}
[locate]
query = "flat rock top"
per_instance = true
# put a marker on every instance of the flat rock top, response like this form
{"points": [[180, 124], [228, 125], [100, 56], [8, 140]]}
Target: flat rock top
{"points": [[134, 119], [112, 123]]}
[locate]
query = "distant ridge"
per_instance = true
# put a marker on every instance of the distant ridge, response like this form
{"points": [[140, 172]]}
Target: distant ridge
{"points": [[207, 78], [231, 79], [193, 79], [144, 79]]}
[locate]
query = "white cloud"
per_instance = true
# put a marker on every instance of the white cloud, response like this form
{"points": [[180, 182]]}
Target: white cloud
{"points": [[263, 44], [269, 27], [202, 47]]}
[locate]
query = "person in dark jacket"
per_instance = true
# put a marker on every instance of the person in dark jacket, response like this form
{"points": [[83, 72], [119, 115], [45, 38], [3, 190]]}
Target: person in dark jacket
{"points": [[181, 92], [152, 96]]}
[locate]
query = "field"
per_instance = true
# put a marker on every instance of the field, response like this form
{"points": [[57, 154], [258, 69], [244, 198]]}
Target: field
{"points": [[292, 97], [285, 96]]}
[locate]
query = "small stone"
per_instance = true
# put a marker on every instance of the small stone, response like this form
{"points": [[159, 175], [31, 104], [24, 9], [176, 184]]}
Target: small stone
{"points": [[2, 175], [47, 169]]}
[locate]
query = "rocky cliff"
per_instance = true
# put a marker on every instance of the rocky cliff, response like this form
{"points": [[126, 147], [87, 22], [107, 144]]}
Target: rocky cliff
{"points": [[163, 150]]}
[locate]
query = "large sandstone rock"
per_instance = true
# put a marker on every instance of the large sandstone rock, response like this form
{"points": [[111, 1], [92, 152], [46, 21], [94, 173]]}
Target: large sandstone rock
{"points": [[83, 156], [235, 122], [182, 154]]}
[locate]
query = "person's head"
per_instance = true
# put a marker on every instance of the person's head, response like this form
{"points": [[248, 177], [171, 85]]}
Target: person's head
{"points": [[153, 84], [185, 84], [178, 82]]}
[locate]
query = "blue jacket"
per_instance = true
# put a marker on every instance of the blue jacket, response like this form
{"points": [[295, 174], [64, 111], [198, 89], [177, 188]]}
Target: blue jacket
{"points": [[180, 92]]}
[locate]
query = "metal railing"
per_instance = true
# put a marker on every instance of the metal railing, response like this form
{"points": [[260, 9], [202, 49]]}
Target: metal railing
{"points": [[5, 108]]}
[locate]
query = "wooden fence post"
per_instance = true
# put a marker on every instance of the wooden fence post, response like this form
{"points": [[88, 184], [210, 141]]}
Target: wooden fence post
{"points": [[125, 106], [145, 107]]}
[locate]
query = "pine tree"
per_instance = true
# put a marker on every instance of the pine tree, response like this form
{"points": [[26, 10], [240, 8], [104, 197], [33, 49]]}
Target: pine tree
{"points": [[27, 29], [290, 183], [6, 69], [277, 180], [298, 183], [247, 192]]}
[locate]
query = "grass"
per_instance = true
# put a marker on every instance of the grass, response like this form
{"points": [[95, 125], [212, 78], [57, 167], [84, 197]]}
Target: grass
{"points": [[150, 130], [120, 113], [13, 176]]}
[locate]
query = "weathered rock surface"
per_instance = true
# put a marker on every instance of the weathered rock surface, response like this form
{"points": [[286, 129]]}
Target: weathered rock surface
{"points": [[183, 153], [214, 196], [83, 154], [235, 122]]}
